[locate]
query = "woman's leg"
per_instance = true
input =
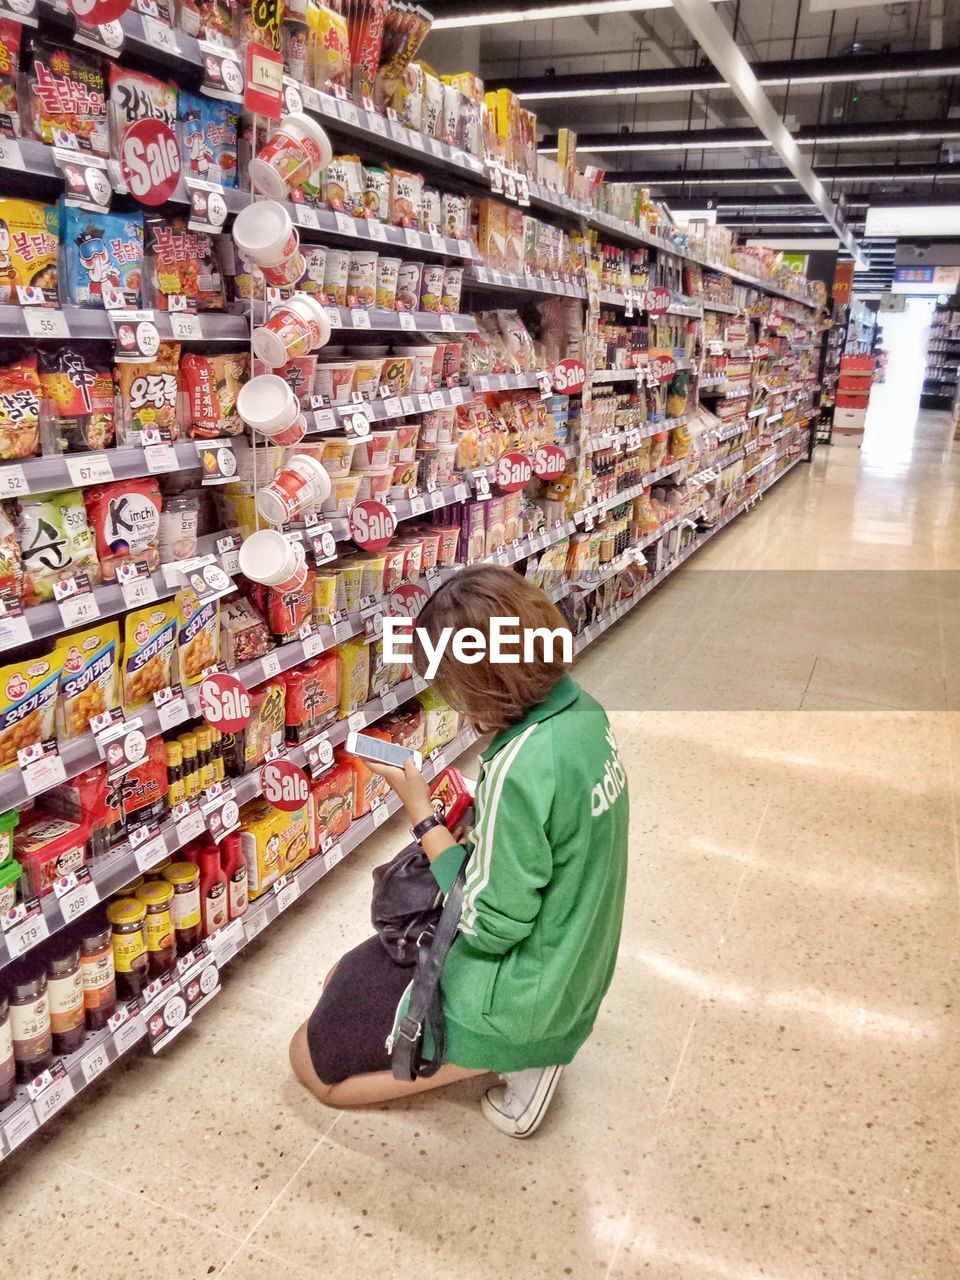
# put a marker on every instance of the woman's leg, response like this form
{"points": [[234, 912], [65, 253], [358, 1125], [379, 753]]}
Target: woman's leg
{"points": [[370, 1088]]}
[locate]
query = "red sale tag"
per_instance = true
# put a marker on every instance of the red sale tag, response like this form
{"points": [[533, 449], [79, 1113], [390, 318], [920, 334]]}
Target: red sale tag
{"points": [[263, 92]]}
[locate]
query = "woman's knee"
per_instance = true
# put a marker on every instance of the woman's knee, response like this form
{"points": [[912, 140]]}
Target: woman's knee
{"points": [[301, 1064]]}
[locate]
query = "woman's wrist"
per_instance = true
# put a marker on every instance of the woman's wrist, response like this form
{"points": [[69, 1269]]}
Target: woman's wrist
{"points": [[417, 813]]}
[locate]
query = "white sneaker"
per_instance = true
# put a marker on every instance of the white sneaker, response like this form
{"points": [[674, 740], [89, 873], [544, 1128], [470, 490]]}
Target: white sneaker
{"points": [[517, 1106]]}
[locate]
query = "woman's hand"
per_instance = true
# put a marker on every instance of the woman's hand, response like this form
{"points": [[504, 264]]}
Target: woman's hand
{"points": [[410, 785]]}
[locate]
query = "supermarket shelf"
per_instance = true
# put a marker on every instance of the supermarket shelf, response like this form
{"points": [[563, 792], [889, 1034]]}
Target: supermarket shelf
{"points": [[726, 308], [387, 408], [548, 286], [361, 319], [76, 470], [506, 381], [730, 459], [728, 433], [681, 306], [612, 440], [22, 1117], [92, 323], [774, 417]]}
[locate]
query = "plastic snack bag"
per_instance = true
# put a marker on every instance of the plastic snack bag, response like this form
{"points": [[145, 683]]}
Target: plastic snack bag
{"points": [[215, 20], [199, 636], [77, 386], [328, 54], [89, 667], [56, 542], [208, 138], [213, 384], [125, 519], [19, 409], [148, 395], [149, 645], [29, 243], [67, 100], [10, 36], [28, 705], [101, 251], [137, 96], [182, 264]]}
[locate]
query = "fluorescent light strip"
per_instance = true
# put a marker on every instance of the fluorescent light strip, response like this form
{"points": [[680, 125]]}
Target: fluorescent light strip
{"points": [[545, 13], [753, 144], [704, 179]]}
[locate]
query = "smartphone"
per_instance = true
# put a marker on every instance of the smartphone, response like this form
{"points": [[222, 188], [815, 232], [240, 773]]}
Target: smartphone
{"points": [[361, 744]]}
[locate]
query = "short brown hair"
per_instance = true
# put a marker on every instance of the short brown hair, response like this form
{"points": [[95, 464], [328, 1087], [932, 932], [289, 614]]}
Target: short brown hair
{"points": [[491, 695]]}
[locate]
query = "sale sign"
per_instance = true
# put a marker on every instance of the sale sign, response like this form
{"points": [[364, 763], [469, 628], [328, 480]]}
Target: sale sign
{"points": [[372, 525], [284, 785], [661, 368], [569, 377], [657, 300], [225, 702], [513, 471], [97, 13], [406, 601], [150, 161], [549, 461]]}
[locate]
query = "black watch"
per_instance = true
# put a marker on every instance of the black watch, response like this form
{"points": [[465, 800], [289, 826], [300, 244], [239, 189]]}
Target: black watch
{"points": [[421, 829]]}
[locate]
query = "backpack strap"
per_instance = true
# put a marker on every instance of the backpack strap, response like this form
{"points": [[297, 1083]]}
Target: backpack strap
{"points": [[425, 1007]]}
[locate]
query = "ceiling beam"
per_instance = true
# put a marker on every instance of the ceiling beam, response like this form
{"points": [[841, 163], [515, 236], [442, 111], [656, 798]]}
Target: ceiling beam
{"points": [[872, 133], [720, 47], [845, 173], [853, 68]]}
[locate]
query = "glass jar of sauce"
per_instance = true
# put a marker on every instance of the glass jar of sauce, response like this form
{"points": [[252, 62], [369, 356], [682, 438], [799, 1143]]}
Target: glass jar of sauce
{"points": [[30, 1020], [8, 1067], [161, 940], [97, 974], [126, 917], [185, 908], [65, 996]]}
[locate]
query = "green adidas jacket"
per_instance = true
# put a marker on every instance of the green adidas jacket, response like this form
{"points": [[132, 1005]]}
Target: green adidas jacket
{"points": [[543, 899]]}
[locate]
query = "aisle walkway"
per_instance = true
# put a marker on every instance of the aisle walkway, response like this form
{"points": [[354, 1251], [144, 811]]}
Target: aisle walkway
{"points": [[771, 1090]]}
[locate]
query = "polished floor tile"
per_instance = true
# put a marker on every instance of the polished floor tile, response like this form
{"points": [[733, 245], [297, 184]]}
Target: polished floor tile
{"points": [[770, 1090]]}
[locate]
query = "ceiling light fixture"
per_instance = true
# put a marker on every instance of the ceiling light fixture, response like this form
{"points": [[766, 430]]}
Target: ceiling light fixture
{"points": [[546, 13]]}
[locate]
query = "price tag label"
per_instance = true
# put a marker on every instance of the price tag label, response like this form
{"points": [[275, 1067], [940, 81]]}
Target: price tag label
{"points": [[45, 322], [148, 845], [13, 482], [91, 468], [407, 321], [254, 924], [319, 754], [333, 854], [481, 486], [226, 942], [286, 891], [359, 318], [55, 1094], [417, 506], [218, 462], [165, 1023], [160, 36], [228, 549], [356, 425], [342, 631], [136, 583], [377, 230], [171, 706], [24, 926], [307, 216], [76, 601], [446, 323], [22, 1126], [189, 823], [94, 1063], [127, 1027], [357, 721], [161, 459], [14, 627], [223, 814], [41, 766], [11, 156], [413, 238], [185, 326], [271, 665], [393, 407], [76, 893], [380, 815]]}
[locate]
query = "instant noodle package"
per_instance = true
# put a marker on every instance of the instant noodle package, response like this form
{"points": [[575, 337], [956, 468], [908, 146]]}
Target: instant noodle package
{"points": [[149, 645], [148, 395], [209, 132], [89, 666], [183, 265], [11, 34], [29, 243], [19, 409], [213, 384], [77, 385], [198, 640], [67, 100], [56, 542], [101, 252], [125, 519], [28, 705]]}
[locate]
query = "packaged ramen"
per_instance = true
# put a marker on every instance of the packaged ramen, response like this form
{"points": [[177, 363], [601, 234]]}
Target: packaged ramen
{"points": [[125, 519], [260, 21], [10, 36], [19, 409], [28, 705], [149, 644], [67, 100], [137, 96], [199, 636], [148, 395], [77, 387], [208, 139], [244, 633], [213, 384], [214, 20], [11, 558], [89, 668], [406, 190], [101, 251], [248, 749], [182, 264], [56, 542], [29, 243]]}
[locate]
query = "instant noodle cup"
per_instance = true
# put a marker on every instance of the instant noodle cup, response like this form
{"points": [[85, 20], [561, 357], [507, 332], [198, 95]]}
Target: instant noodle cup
{"points": [[375, 450], [286, 274], [412, 558], [366, 376], [431, 287], [422, 358], [335, 272], [315, 263], [373, 564], [446, 423], [294, 328], [407, 435], [429, 467], [300, 375], [300, 485], [397, 372], [264, 233], [337, 457], [362, 279], [394, 557], [295, 150], [430, 540], [404, 478], [335, 381], [408, 285], [436, 371], [343, 494], [452, 353], [388, 271], [449, 542], [267, 404], [452, 288], [446, 460], [375, 483], [429, 428], [351, 575], [272, 560]]}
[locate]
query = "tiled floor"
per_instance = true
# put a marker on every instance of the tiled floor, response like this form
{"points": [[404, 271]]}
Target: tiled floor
{"points": [[771, 1091]]}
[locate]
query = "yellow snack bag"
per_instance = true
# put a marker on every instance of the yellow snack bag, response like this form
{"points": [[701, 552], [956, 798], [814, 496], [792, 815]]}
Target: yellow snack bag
{"points": [[28, 705], [149, 644], [89, 665], [198, 641], [354, 676]]}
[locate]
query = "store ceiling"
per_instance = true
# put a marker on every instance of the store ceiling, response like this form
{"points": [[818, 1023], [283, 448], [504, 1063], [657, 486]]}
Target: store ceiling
{"points": [[873, 99]]}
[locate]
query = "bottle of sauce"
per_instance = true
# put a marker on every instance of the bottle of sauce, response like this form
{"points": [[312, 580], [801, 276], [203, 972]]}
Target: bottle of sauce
{"points": [[191, 776], [30, 1020], [157, 897], [206, 764], [65, 996], [220, 769], [235, 869], [97, 974], [8, 1067], [185, 907], [127, 916], [213, 891], [176, 791]]}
